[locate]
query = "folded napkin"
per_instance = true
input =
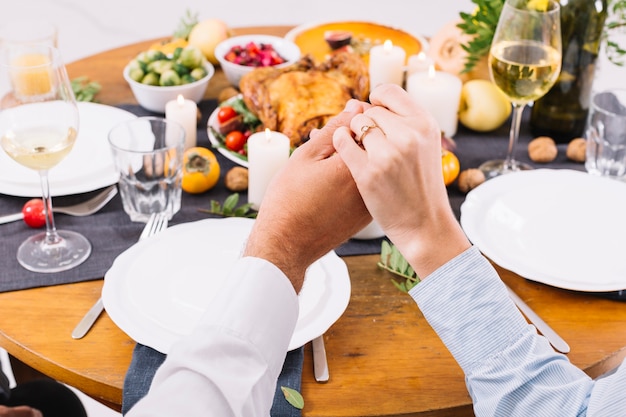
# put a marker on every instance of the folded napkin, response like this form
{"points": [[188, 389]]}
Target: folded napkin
{"points": [[146, 361]]}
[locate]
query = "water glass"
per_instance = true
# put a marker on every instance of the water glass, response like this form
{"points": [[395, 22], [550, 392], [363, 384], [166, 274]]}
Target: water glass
{"points": [[148, 153], [606, 134]]}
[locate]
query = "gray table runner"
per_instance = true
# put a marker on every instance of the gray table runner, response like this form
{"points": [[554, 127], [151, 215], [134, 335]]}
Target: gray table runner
{"points": [[110, 231]]}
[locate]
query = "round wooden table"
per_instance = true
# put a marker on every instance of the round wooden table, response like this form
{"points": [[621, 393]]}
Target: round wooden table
{"points": [[384, 358]]}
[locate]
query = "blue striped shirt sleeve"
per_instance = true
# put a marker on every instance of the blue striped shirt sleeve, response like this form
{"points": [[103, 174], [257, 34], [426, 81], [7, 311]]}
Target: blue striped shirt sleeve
{"points": [[510, 369]]}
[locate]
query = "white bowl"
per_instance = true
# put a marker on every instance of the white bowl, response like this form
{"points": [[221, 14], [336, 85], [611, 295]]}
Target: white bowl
{"points": [[285, 48], [154, 98]]}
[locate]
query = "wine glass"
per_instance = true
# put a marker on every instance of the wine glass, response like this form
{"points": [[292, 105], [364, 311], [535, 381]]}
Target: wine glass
{"points": [[524, 62], [38, 127]]}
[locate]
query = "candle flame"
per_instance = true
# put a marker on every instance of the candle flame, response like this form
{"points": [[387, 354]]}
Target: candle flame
{"points": [[421, 56], [431, 71], [180, 99], [388, 45], [268, 134]]}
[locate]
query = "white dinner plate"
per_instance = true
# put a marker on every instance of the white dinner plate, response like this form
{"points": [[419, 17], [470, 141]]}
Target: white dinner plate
{"points": [[157, 290], [89, 166], [560, 227], [212, 123]]}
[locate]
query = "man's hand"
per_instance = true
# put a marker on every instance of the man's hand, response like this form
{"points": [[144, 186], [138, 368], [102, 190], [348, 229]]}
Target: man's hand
{"points": [[311, 206]]}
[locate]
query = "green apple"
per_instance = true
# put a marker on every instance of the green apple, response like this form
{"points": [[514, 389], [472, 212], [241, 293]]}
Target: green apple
{"points": [[483, 106]]}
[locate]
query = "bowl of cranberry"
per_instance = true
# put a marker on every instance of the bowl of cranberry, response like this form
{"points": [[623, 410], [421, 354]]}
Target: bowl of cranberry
{"points": [[239, 55]]}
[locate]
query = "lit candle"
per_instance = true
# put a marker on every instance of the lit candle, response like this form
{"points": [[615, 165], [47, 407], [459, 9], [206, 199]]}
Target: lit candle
{"points": [[184, 112], [268, 152], [440, 94], [386, 64], [418, 63]]}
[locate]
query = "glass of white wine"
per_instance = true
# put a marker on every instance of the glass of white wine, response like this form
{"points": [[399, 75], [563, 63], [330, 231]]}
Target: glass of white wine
{"points": [[38, 127], [524, 62]]}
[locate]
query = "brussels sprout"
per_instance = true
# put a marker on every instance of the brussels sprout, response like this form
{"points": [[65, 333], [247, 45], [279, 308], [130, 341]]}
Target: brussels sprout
{"points": [[169, 78], [160, 66], [191, 57], [198, 73], [151, 79], [186, 79], [142, 57], [180, 68], [134, 64], [136, 74], [155, 55]]}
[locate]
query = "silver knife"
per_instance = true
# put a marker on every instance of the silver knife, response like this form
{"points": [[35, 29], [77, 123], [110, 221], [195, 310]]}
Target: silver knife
{"points": [[555, 340], [88, 320], [11, 218], [320, 364]]}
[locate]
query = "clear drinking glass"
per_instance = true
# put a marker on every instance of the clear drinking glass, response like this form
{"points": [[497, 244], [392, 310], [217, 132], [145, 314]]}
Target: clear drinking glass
{"points": [[524, 62], [38, 128]]}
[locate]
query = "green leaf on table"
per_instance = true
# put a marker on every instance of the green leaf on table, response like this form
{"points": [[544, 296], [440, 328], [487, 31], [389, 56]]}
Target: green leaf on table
{"points": [[229, 208], [85, 90], [393, 261], [293, 397]]}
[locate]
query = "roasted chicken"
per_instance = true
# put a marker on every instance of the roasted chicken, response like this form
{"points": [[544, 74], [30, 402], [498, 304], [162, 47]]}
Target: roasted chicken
{"points": [[301, 97]]}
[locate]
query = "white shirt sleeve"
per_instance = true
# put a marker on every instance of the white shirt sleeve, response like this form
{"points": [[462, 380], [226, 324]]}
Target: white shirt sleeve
{"points": [[230, 364], [510, 370]]}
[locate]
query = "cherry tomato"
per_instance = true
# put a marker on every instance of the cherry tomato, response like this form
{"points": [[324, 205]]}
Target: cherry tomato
{"points": [[225, 113], [33, 213], [235, 141]]}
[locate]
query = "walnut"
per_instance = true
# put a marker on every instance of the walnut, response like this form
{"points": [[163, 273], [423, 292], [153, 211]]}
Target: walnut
{"points": [[227, 93], [236, 179], [577, 150], [542, 149], [470, 179]]}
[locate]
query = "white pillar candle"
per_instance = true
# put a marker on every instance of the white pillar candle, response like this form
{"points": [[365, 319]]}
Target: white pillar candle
{"points": [[386, 64], [184, 112], [268, 152], [440, 94], [419, 62]]}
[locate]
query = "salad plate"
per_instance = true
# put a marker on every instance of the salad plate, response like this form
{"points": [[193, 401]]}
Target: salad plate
{"points": [[156, 301], [89, 166], [212, 125], [559, 227]]}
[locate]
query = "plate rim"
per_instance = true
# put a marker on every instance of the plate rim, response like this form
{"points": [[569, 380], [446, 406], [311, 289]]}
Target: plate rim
{"points": [[472, 216], [122, 313]]}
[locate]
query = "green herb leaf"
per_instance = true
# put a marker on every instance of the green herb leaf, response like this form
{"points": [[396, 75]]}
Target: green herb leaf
{"points": [[185, 25], [230, 208], [293, 397], [392, 260], [85, 90]]}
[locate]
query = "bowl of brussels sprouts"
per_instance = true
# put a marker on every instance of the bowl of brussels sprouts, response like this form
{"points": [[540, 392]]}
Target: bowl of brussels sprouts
{"points": [[156, 78]]}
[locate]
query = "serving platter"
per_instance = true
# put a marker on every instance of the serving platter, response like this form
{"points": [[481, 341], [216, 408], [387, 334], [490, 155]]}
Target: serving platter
{"points": [[217, 144], [89, 166], [559, 227], [156, 300], [310, 38]]}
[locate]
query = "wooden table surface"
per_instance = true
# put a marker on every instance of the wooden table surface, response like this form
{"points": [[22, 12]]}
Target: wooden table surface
{"points": [[384, 359]]}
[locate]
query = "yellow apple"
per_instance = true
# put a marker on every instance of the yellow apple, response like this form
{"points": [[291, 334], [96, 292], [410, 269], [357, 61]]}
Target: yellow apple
{"points": [[483, 106], [206, 34]]}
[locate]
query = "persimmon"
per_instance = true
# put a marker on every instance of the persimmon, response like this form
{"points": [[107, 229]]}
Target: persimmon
{"points": [[450, 167], [201, 171]]}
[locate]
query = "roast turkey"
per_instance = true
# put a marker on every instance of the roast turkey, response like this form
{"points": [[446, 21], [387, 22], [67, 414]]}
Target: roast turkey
{"points": [[301, 97]]}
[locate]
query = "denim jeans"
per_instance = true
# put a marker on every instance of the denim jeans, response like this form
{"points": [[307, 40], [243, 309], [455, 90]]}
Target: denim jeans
{"points": [[146, 361]]}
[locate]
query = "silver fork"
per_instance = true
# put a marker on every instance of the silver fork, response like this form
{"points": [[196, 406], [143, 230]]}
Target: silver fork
{"points": [[156, 223], [84, 208]]}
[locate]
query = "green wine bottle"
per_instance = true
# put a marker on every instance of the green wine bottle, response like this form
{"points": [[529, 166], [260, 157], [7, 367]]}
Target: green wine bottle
{"points": [[562, 112]]}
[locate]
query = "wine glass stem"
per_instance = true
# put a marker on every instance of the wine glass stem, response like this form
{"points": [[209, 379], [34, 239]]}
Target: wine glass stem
{"points": [[52, 236], [509, 162]]}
